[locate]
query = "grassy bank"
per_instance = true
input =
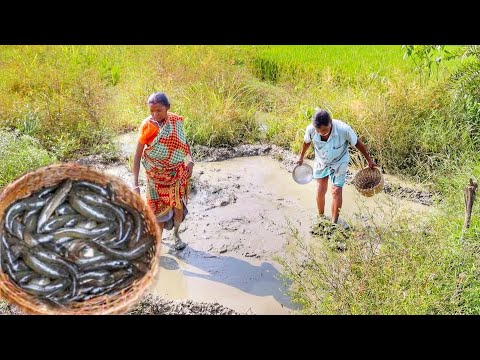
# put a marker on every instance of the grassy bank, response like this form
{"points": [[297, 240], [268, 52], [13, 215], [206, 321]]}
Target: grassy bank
{"points": [[20, 154], [73, 99]]}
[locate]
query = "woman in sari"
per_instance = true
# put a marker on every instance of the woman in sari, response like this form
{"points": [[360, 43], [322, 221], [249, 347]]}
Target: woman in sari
{"points": [[165, 154]]}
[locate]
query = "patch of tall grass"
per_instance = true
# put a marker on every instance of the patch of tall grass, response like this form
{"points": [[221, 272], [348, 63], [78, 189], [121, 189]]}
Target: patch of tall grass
{"points": [[396, 263], [342, 65], [20, 154]]}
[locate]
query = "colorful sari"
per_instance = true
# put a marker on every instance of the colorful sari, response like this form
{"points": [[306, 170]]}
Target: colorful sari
{"points": [[164, 163]]}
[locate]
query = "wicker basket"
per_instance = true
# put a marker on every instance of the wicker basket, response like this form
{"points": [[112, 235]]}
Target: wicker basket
{"points": [[118, 303], [368, 181]]}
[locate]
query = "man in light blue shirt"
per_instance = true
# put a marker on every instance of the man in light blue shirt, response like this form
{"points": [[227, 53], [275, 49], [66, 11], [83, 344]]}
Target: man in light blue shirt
{"points": [[331, 140]]}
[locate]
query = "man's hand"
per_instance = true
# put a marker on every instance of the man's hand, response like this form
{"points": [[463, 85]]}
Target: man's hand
{"points": [[136, 189], [300, 161], [361, 147]]}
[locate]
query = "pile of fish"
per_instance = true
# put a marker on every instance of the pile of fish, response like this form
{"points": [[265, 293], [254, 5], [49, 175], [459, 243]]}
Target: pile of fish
{"points": [[72, 242]]}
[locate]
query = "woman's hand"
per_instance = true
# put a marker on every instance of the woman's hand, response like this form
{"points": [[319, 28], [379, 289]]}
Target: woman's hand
{"points": [[190, 168], [136, 166], [371, 164]]}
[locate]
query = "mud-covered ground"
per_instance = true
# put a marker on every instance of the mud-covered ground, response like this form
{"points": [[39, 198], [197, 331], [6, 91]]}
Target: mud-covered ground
{"points": [[243, 205], [288, 160], [154, 305], [286, 157]]}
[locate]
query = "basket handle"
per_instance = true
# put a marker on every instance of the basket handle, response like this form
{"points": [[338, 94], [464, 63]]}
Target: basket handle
{"points": [[376, 167]]}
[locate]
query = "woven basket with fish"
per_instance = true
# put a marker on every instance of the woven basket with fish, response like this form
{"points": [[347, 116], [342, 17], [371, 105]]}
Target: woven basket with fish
{"points": [[74, 240]]}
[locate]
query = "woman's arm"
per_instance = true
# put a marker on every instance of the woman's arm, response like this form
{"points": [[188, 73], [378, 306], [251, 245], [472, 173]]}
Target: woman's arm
{"points": [[190, 161], [136, 165], [189, 155]]}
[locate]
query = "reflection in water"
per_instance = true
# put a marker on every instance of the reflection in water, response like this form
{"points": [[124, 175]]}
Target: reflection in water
{"points": [[259, 280]]}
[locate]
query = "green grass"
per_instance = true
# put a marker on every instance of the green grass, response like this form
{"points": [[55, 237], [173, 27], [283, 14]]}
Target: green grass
{"points": [[20, 154], [396, 262], [74, 99], [63, 95], [344, 64], [404, 265]]}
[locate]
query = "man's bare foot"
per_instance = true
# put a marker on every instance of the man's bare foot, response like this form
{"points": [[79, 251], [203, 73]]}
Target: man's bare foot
{"points": [[323, 218]]}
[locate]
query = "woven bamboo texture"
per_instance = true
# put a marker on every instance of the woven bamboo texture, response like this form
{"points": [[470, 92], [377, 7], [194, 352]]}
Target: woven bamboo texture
{"points": [[368, 181], [118, 303]]}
